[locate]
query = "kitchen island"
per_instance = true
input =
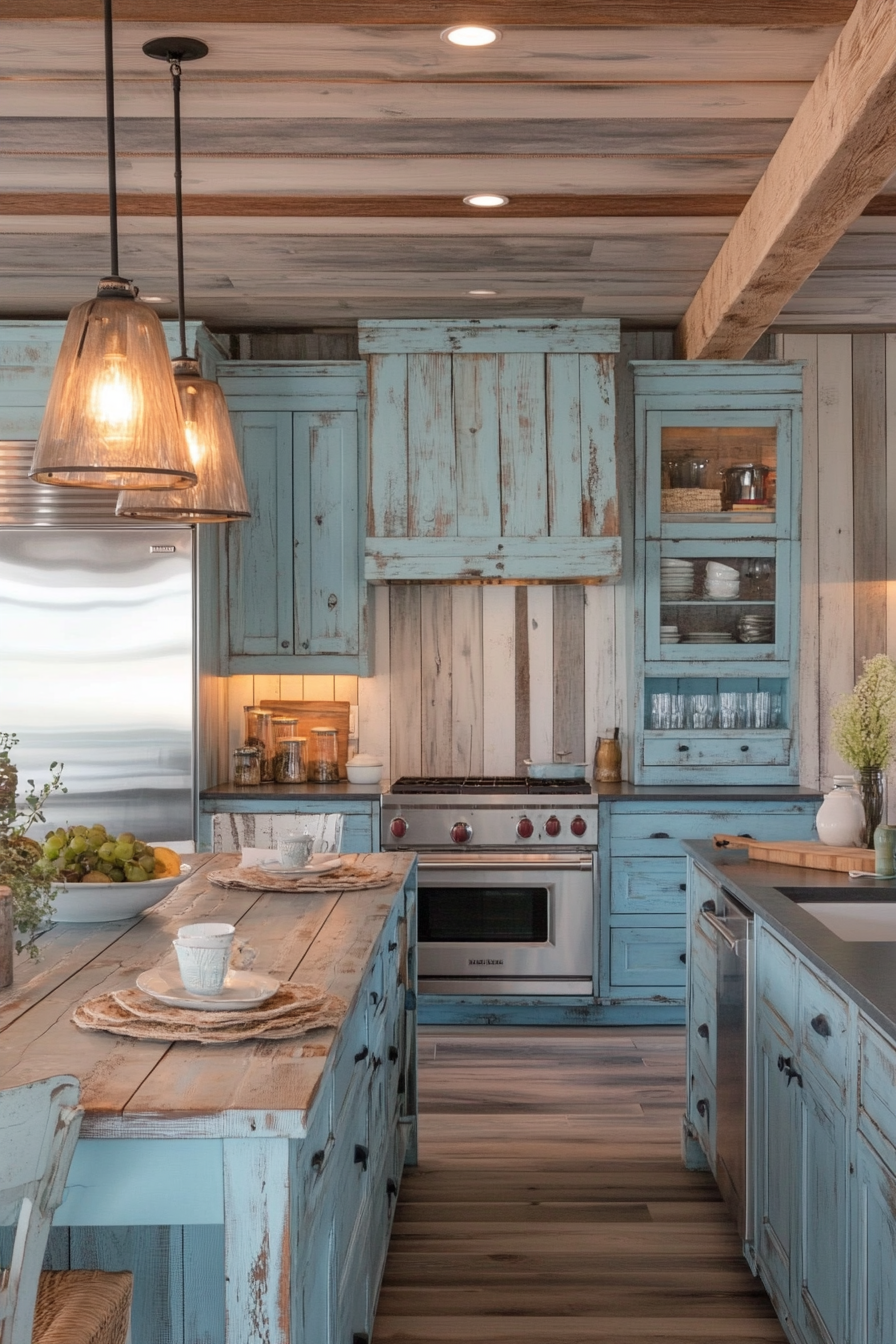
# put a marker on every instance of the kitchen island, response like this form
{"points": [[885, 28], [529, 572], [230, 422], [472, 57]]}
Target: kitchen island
{"points": [[250, 1187], [820, 1024]]}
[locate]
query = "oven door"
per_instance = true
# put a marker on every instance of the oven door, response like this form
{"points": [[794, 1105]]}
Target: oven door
{"points": [[506, 923]]}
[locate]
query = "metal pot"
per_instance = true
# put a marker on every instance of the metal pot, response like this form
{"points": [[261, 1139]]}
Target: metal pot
{"points": [[686, 473], [745, 483]]}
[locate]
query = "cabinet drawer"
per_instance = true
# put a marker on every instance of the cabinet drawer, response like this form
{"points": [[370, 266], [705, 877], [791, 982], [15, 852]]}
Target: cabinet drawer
{"points": [[744, 749], [645, 956], [824, 1029], [776, 981], [702, 1111], [658, 832], [648, 886], [877, 1091], [702, 1026], [353, 1057]]}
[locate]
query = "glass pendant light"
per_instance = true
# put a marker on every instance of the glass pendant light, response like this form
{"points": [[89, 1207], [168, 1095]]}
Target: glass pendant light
{"points": [[113, 417], [219, 495]]}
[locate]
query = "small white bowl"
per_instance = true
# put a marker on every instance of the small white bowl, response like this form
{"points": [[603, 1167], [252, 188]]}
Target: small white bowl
{"points": [[363, 774], [101, 902], [716, 570]]}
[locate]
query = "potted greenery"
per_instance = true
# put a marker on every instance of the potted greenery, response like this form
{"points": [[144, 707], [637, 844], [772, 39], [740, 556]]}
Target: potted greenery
{"points": [[865, 734], [32, 893]]}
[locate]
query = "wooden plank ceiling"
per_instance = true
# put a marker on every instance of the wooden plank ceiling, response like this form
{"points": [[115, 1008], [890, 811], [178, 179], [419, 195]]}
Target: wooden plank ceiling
{"points": [[326, 161]]}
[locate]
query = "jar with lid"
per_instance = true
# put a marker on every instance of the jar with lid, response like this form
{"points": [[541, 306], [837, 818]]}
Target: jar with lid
{"points": [[841, 817], [323, 767], [285, 725], [260, 735], [246, 766], [290, 763]]}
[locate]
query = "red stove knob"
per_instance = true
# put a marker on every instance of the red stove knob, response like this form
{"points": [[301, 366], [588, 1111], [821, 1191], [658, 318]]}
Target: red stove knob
{"points": [[524, 828], [399, 827], [461, 832], [552, 826], [578, 825]]}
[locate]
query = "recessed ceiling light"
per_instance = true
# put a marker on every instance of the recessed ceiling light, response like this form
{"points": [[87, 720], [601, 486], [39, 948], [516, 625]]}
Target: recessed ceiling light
{"points": [[483, 293], [470, 35], [155, 298], [486, 200]]}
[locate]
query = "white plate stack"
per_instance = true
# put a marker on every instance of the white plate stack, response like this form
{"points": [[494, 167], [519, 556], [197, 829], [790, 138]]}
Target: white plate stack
{"points": [[756, 629], [669, 634], [709, 637], [676, 580], [722, 582]]}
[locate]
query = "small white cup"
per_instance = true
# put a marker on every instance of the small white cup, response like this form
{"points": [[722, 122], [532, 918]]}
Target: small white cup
{"points": [[295, 850], [202, 969], [206, 935]]}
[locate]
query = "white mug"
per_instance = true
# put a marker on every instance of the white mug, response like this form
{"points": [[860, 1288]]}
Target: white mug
{"points": [[203, 970], [206, 935], [295, 851]]}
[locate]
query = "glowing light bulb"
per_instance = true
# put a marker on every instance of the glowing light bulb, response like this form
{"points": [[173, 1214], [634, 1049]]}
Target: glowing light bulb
{"points": [[470, 35], [486, 200], [114, 401]]}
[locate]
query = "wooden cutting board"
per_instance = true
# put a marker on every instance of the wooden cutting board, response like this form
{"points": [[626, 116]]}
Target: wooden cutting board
{"points": [[317, 714], [802, 853]]}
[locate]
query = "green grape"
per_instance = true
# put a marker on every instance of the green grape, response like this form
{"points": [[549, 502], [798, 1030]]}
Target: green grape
{"points": [[51, 851], [117, 875], [62, 833], [69, 854], [134, 873], [147, 863], [107, 868], [100, 830], [107, 851], [77, 830], [139, 849], [78, 844], [124, 851], [149, 851], [126, 838]]}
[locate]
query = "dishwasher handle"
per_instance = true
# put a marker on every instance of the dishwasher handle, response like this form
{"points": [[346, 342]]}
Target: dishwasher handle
{"points": [[721, 928]]}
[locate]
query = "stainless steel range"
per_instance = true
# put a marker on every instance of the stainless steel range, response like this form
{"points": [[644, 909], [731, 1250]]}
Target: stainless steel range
{"points": [[508, 874]]}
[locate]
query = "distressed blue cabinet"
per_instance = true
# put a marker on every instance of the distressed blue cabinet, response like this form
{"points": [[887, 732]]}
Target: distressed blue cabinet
{"points": [[716, 576], [294, 597]]}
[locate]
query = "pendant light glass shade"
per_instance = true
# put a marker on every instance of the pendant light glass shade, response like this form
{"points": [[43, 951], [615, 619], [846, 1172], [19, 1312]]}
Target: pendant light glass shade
{"points": [[113, 419], [220, 493]]}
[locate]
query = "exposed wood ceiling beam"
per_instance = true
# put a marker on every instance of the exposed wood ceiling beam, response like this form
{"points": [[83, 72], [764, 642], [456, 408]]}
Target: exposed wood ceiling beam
{"points": [[838, 152], [435, 13]]}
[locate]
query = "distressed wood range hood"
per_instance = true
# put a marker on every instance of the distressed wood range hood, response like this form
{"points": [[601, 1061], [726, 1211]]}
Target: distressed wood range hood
{"points": [[492, 452]]}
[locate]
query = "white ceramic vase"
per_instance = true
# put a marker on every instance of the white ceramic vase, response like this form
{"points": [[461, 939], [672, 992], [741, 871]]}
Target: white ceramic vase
{"points": [[841, 817]]}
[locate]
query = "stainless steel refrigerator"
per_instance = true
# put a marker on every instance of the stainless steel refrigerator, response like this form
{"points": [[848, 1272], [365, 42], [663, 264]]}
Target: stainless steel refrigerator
{"points": [[96, 667]]}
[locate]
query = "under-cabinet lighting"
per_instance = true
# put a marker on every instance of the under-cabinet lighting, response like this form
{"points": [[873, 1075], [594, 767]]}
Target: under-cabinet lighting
{"points": [[483, 293], [470, 35], [486, 200]]}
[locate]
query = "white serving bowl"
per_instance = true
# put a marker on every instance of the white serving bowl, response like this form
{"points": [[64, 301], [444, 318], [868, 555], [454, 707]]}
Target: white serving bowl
{"points": [[716, 570], [100, 902], [364, 769]]}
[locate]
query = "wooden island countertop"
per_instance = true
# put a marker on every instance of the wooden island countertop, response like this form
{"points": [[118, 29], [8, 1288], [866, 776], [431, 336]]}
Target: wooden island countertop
{"points": [[183, 1134]]}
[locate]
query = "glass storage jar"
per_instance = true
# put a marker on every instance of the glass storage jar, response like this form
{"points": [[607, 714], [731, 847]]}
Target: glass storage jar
{"points": [[285, 726], [290, 761], [260, 735], [246, 766], [323, 767]]}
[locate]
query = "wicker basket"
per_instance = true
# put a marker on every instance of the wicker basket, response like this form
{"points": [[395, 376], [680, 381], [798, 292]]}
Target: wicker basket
{"points": [[691, 501]]}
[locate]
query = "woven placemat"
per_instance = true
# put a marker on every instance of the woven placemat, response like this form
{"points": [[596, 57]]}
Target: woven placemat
{"points": [[356, 873], [293, 1011]]}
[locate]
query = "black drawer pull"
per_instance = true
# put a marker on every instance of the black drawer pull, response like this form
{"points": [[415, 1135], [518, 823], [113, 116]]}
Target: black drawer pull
{"points": [[703, 1031], [362, 1054], [745, 835], [359, 1338], [376, 1062], [682, 886], [317, 1160], [785, 1066], [683, 958], [708, 907], [745, 747], [374, 997], [393, 1053], [821, 1025], [392, 947], [683, 746], [402, 1085], [391, 1188], [661, 835], [703, 1108], [361, 1156]]}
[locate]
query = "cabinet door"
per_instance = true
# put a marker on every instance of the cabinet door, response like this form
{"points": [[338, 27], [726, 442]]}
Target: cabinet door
{"points": [[824, 1186], [777, 1164], [259, 550], [874, 1272], [327, 538]]}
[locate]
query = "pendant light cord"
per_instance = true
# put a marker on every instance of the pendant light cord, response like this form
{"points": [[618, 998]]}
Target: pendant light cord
{"points": [[110, 136], [174, 66]]}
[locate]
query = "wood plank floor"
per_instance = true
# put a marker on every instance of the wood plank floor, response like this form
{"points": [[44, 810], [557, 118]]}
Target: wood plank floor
{"points": [[550, 1205]]}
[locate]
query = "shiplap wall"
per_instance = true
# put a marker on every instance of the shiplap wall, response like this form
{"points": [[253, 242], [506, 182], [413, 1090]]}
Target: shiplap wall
{"points": [[479, 677]]}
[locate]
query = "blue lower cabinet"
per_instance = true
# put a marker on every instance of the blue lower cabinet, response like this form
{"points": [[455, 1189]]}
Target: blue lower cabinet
{"points": [[777, 1167], [874, 1265], [648, 958], [256, 823], [824, 1217]]}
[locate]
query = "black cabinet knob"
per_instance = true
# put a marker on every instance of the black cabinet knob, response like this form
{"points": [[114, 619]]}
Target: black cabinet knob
{"points": [[402, 1085], [660, 835], [362, 1054], [745, 747], [391, 1188], [683, 958], [708, 907], [785, 1066], [703, 1031], [745, 835], [359, 1338], [284, 643], [317, 1159], [392, 946], [703, 1108], [374, 997], [683, 746], [393, 1053], [361, 1156], [682, 886], [821, 1025]]}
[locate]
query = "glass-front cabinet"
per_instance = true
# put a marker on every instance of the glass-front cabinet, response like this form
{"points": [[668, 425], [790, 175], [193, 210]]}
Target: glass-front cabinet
{"points": [[717, 571]]}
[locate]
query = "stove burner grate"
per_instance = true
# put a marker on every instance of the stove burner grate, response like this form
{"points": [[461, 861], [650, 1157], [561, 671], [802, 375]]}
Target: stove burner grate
{"points": [[487, 784]]}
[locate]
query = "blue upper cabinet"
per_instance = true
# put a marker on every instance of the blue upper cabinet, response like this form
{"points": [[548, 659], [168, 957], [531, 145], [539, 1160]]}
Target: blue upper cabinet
{"points": [[296, 599], [492, 448], [717, 571]]}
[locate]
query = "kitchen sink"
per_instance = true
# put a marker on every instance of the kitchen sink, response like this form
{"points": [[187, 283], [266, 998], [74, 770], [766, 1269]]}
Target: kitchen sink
{"points": [[867, 915]]}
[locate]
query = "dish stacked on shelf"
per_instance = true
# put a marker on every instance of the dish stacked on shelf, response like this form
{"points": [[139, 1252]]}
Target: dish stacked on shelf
{"points": [[756, 628], [709, 637], [670, 634], [722, 582], [676, 580]]}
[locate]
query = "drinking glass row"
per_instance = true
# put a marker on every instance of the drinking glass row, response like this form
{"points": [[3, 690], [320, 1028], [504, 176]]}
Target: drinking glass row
{"points": [[728, 709]]}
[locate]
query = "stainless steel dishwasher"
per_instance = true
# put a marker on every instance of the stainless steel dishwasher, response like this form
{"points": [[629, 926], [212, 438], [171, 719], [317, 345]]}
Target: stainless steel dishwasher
{"points": [[731, 927]]}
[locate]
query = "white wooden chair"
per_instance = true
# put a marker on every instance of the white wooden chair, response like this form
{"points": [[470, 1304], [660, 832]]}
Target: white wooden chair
{"points": [[239, 830], [39, 1126]]}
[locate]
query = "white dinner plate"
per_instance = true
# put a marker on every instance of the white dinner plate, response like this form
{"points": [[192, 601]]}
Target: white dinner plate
{"points": [[318, 864], [242, 989]]}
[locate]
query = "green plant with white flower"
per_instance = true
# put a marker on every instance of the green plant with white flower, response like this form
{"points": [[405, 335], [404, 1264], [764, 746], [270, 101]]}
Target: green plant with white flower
{"points": [[32, 892], [865, 720]]}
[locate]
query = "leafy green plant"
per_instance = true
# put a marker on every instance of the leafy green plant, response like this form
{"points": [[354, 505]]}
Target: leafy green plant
{"points": [[865, 720], [32, 893]]}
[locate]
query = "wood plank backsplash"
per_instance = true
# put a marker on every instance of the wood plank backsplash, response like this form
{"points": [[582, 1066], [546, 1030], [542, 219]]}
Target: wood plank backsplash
{"points": [[478, 678]]}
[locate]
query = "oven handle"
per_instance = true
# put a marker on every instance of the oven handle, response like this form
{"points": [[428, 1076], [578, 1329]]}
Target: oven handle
{"points": [[501, 862]]}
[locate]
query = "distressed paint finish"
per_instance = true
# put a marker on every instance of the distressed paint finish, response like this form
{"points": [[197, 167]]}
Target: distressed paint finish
{"points": [[529, 452], [258, 1241], [869, 436], [437, 678]]}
